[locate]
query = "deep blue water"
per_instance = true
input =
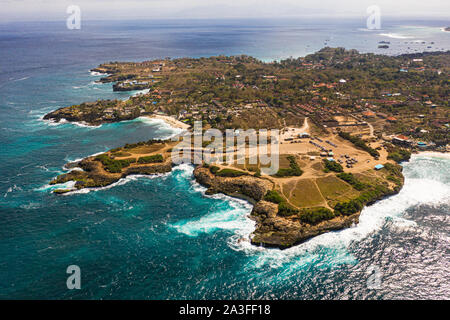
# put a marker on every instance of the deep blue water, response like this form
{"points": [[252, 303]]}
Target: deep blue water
{"points": [[161, 237]]}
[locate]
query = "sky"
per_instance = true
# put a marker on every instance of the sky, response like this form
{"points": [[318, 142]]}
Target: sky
{"points": [[55, 10]]}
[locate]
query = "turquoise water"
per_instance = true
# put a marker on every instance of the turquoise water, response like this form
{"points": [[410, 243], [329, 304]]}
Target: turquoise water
{"points": [[161, 237]]}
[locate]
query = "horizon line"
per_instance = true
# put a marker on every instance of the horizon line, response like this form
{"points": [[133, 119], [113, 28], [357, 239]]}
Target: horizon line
{"points": [[315, 16]]}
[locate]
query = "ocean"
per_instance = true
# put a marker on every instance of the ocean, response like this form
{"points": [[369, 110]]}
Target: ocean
{"points": [[161, 237]]}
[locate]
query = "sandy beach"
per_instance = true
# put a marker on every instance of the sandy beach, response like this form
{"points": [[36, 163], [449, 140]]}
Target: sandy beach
{"points": [[435, 154], [171, 121]]}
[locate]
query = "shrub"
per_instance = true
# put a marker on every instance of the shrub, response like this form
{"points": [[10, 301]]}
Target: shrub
{"points": [[214, 169], [273, 196], [355, 205], [350, 179], [349, 207], [120, 154], [293, 170], [285, 209], [359, 143], [316, 215], [399, 154], [393, 168], [151, 159], [134, 145], [395, 180], [114, 166], [332, 166], [230, 173]]}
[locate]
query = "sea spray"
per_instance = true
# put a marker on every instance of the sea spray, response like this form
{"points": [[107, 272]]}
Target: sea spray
{"points": [[233, 216], [120, 182], [417, 190]]}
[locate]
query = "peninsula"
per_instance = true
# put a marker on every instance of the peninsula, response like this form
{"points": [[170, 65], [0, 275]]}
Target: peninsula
{"points": [[346, 119]]}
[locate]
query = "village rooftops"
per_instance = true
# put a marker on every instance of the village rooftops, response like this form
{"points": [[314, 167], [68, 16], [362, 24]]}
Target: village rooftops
{"points": [[401, 137], [368, 114]]}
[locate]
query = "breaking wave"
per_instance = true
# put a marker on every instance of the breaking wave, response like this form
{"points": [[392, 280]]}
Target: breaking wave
{"points": [[395, 36], [426, 182]]}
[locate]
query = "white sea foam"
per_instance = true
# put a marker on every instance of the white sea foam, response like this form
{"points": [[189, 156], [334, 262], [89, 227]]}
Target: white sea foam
{"points": [[426, 188], [52, 122], [21, 79], [69, 160], [139, 92], [416, 191], [97, 74], [395, 36], [162, 126], [48, 187], [224, 219], [368, 30], [85, 125], [120, 182], [430, 154], [235, 219], [12, 189], [63, 121]]}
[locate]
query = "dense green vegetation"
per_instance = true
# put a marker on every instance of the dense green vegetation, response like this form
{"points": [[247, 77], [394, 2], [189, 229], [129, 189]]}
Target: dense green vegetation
{"points": [[394, 169], [359, 143], [227, 172], [394, 174], [140, 144], [395, 180], [120, 154], [350, 179], [214, 169], [398, 154], [151, 159], [285, 210], [114, 166], [230, 173], [316, 215], [332, 166], [293, 170], [355, 205], [273, 196]]}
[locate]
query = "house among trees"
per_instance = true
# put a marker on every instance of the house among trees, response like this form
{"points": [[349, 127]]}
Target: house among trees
{"points": [[401, 140]]}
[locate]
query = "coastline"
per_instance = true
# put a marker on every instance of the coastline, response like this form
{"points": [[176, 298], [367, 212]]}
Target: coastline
{"points": [[277, 226], [435, 154], [170, 121]]}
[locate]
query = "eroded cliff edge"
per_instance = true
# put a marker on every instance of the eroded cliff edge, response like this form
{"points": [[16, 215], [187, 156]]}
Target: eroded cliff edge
{"points": [[272, 229], [281, 221]]}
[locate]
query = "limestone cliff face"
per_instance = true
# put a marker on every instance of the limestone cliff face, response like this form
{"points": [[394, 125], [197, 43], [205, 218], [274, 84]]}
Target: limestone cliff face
{"points": [[248, 187], [92, 114], [284, 232], [271, 230], [66, 113], [149, 169], [93, 175]]}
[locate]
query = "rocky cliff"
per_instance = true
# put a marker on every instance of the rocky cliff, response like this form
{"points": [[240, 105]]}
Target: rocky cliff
{"points": [[247, 187], [92, 174], [272, 229], [275, 231]]}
